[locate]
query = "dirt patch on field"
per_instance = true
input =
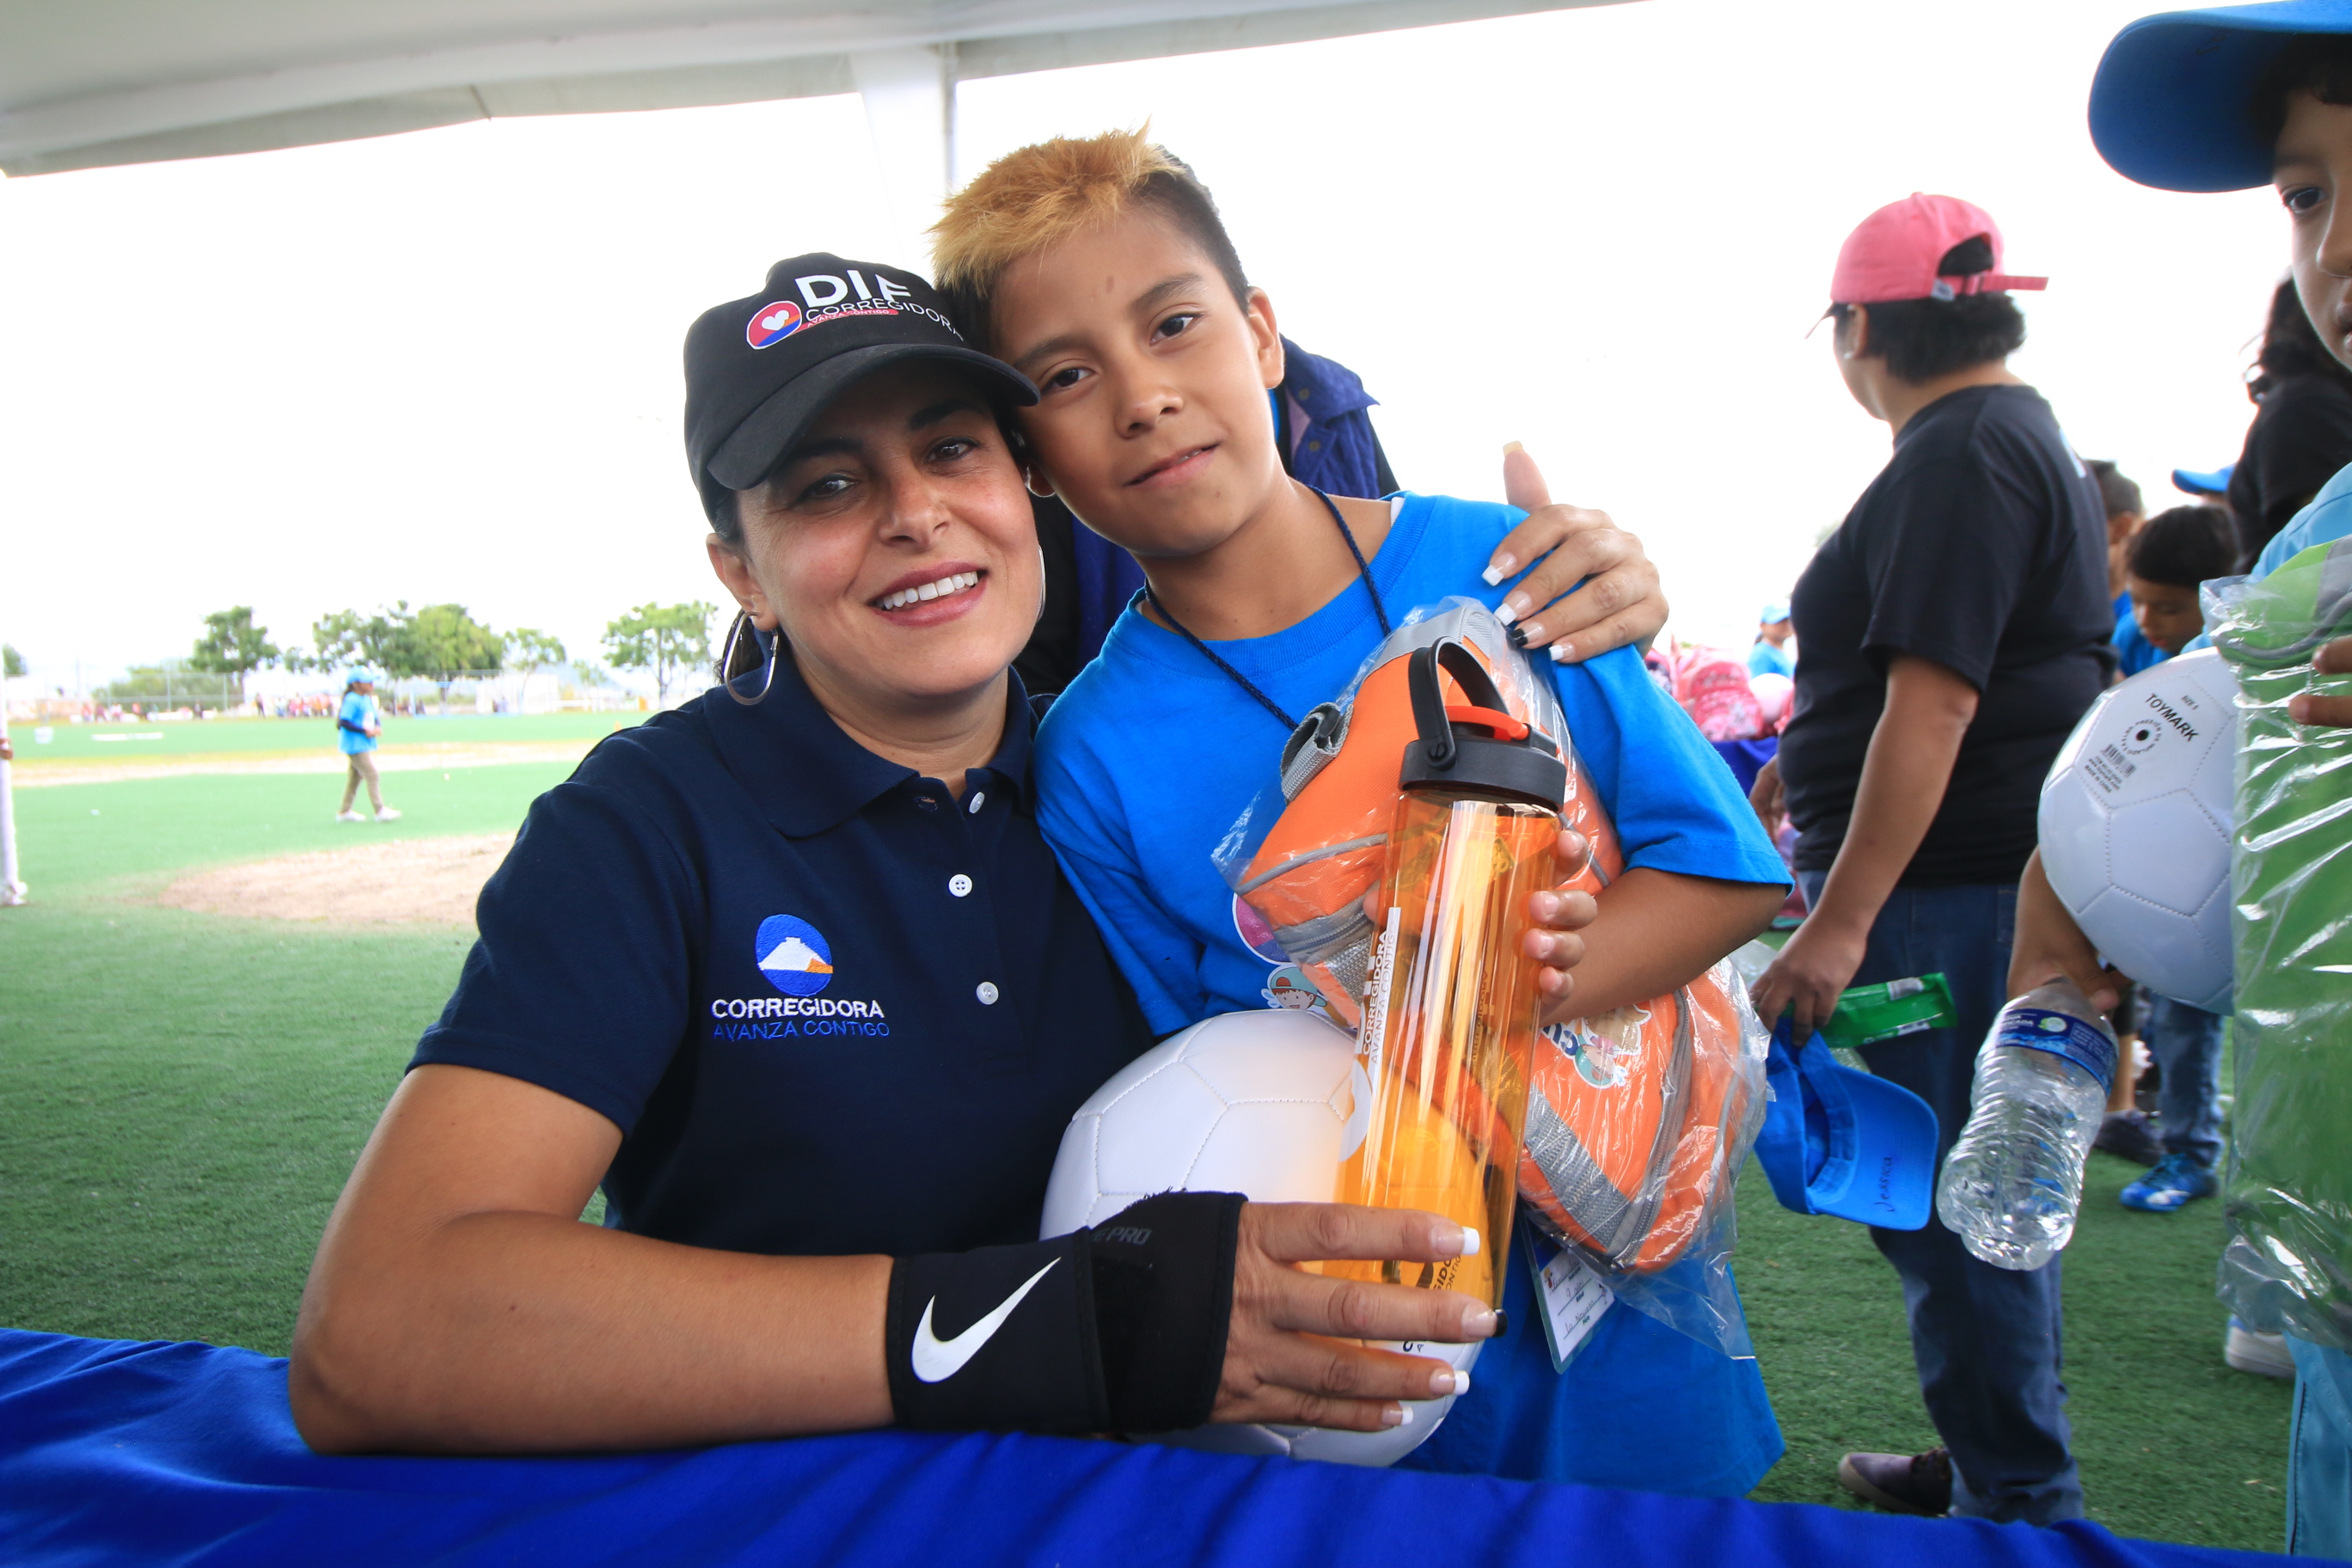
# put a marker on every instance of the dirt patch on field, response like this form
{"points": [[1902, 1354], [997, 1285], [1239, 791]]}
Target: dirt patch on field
{"points": [[410, 881]]}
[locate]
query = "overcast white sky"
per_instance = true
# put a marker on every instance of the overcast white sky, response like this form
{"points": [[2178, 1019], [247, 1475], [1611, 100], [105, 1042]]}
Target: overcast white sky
{"points": [[444, 366]]}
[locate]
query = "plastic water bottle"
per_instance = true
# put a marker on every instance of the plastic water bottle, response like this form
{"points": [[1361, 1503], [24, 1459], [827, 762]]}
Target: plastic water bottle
{"points": [[2012, 1183]]}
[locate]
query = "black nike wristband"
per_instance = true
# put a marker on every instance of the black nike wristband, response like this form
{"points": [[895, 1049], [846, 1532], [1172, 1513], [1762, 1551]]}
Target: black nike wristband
{"points": [[1000, 1339], [1121, 1328], [1164, 1279]]}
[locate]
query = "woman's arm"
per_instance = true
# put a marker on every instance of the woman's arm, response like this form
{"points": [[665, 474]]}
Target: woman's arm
{"points": [[1903, 776], [458, 1305], [1592, 588]]}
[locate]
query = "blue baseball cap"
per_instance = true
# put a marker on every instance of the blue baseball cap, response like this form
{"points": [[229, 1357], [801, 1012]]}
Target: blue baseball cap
{"points": [[1773, 613], [1843, 1143], [2172, 104], [2216, 483], [358, 674]]}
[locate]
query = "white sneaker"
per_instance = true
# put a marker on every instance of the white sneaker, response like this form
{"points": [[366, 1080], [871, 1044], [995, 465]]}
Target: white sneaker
{"points": [[385, 814], [349, 816], [2264, 1356]]}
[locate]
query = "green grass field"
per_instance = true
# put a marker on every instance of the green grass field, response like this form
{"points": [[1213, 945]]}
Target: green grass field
{"points": [[180, 740], [182, 1096]]}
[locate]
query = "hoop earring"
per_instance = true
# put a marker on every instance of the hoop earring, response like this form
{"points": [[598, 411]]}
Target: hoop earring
{"points": [[727, 664], [1030, 485]]}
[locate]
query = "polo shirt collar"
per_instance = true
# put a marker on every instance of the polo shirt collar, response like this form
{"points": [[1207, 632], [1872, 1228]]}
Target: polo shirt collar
{"points": [[808, 775]]}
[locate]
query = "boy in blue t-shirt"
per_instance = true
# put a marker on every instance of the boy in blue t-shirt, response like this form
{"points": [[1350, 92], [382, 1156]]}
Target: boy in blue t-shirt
{"points": [[356, 729], [1099, 268]]}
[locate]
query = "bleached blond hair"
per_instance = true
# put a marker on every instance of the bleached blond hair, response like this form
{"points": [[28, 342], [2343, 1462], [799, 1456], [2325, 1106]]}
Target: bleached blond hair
{"points": [[1036, 196]]}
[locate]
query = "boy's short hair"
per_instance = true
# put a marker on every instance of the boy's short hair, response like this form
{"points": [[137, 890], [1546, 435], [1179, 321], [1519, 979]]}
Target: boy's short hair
{"points": [[1038, 195], [1922, 339], [2118, 493], [2317, 63], [2184, 546]]}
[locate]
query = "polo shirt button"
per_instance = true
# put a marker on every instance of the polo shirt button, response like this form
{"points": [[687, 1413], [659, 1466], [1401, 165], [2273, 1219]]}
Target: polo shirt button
{"points": [[958, 884], [987, 993], [974, 805]]}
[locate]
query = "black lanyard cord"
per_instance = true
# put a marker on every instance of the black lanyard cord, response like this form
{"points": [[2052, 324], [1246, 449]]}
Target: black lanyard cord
{"points": [[1363, 569]]}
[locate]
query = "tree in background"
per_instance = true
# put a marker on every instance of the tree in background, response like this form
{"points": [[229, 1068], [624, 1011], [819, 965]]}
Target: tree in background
{"points": [[347, 637], [233, 645], [11, 663], [663, 638], [530, 650]]}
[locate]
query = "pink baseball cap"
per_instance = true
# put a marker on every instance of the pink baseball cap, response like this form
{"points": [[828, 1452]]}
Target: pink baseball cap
{"points": [[1892, 253]]}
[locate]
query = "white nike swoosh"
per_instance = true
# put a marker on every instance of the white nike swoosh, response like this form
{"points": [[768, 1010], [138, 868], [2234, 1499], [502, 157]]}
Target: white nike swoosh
{"points": [[936, 1359]]}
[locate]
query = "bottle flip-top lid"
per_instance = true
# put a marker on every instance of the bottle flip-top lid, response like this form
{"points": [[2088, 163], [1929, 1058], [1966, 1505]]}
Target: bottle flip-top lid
{"points": [[1475, 744]]}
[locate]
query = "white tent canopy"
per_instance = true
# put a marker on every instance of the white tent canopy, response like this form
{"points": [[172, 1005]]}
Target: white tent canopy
{"points": [[98, 82]]}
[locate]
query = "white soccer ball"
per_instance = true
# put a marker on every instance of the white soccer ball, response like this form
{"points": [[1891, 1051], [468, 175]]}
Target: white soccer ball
{"points": [[1267, 1104], [2136, 819]]}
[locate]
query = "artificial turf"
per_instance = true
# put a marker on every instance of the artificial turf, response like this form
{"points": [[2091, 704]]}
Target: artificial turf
{"points": [[182, 1096]]}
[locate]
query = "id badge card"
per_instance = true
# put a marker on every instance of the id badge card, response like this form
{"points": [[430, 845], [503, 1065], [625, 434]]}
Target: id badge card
{"points": [[1570, 1297]]}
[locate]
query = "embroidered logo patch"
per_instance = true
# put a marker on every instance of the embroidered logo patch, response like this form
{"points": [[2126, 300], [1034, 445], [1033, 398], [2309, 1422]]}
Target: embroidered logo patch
{"points": [[795, 956]]}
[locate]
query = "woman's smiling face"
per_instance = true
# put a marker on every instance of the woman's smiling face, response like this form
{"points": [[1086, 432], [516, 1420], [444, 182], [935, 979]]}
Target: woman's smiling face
{"points": [[894, 545]]}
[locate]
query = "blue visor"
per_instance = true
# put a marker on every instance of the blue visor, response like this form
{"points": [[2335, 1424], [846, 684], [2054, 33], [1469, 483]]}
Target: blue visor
{"points": [[2216, 483], [1843, 1143], [2172, 104]]}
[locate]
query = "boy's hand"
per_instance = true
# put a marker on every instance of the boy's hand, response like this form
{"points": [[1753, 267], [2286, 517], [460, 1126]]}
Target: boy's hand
{"points": [[1767, 799], [1619, 601], [1556, 918], [2309, 707], [2049, 943], [1287, 1354], [1815, 967]]}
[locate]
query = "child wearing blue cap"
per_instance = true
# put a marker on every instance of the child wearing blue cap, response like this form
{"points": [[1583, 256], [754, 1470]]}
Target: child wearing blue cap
{"points": [[356, 729], [1770, 656], [2224, 99]]}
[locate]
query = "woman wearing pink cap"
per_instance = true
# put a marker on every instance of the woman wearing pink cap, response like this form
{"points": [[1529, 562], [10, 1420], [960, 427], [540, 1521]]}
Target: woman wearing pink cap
{"points": [[1954, 627]]}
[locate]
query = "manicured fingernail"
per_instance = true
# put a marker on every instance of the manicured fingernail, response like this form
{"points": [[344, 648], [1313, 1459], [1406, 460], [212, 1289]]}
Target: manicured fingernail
{"points": [[1511, 446], [1561, 651], [1518, 635], [1533, 630], [1499, 568], [1442, 1384], [1502, 1322], [1396, 1415], [1470, 1243], [1509, 610], [1486, 1324]]}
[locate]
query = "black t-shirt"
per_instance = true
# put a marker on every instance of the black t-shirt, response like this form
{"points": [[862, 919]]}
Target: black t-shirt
{"points": [[832, 1009], [1982, 545], [2301, 435]]}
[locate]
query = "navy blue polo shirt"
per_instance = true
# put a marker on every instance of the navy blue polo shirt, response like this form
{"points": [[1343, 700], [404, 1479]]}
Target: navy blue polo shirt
{"points": [[832, 1009]]}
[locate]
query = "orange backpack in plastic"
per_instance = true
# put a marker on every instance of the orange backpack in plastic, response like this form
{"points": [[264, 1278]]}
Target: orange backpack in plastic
{"points": [[1637, 1120]]}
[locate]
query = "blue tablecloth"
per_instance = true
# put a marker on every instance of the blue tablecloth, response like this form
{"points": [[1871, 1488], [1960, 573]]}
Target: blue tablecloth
{"points": [[1747, 758], [118, 1452]]}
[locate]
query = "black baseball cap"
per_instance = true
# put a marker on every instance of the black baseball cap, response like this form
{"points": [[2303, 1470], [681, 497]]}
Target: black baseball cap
{"points": [[759, 370]]}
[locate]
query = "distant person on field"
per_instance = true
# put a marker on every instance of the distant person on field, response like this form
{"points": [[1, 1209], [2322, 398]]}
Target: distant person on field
{"points": [[356, 729], [1770, 656]]}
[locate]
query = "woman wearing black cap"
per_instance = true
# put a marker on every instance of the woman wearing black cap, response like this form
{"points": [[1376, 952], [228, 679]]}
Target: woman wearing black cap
{"points": [[791, 975]]}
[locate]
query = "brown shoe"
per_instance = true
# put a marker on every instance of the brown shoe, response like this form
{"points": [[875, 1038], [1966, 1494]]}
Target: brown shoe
{"points": [[1900, 1483]]}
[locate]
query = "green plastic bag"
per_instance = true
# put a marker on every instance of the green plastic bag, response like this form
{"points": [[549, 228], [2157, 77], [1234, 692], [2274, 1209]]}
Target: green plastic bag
{"points": [[2288, 1196]]}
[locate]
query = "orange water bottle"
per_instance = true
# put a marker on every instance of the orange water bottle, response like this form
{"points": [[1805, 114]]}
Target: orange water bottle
{"points": [[1450, 1004]]}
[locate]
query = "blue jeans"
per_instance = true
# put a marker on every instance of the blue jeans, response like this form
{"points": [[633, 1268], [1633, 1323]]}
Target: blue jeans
{"points": [[2187, 1045], [1987, 1341], [2319, 1453]]}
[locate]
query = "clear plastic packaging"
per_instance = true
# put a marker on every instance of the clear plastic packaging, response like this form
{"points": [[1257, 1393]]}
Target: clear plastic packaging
{"points": [[1637, 1121], [2288, 1197]]}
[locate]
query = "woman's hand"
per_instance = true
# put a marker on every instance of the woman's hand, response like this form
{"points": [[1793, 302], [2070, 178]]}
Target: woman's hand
{"points": [[1619, 601], [2049, 943], [2309, 707], [1287, 1356], [1813, 971]]}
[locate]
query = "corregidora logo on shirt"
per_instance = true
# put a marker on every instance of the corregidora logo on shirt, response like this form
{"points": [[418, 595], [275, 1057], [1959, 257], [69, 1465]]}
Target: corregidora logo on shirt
{"points": [[795, 958]]}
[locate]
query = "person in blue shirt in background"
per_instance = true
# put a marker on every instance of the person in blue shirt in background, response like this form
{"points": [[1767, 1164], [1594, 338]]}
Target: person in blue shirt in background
{"points": [[1262, 595], [1770, 656], [356, 729]]}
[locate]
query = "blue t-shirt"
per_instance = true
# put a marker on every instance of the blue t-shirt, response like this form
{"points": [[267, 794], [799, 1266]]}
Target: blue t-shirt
{"points": [[351, 720], [2133, 652], [2326, 519], [1768, 659], [833, 1009], [1144, 764]]}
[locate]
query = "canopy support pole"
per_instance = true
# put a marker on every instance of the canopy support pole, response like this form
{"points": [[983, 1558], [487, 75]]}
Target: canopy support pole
{"points": [[12, 890], [909, 96]]}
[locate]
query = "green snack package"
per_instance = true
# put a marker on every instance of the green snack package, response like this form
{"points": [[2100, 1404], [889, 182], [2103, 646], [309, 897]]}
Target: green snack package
{"points": [[1866, 1015], [2288, 1198]]}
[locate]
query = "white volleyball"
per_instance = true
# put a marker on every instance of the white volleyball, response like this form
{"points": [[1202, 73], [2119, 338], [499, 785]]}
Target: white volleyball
{"points": [[2135, 827], [1267, 1104]]}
